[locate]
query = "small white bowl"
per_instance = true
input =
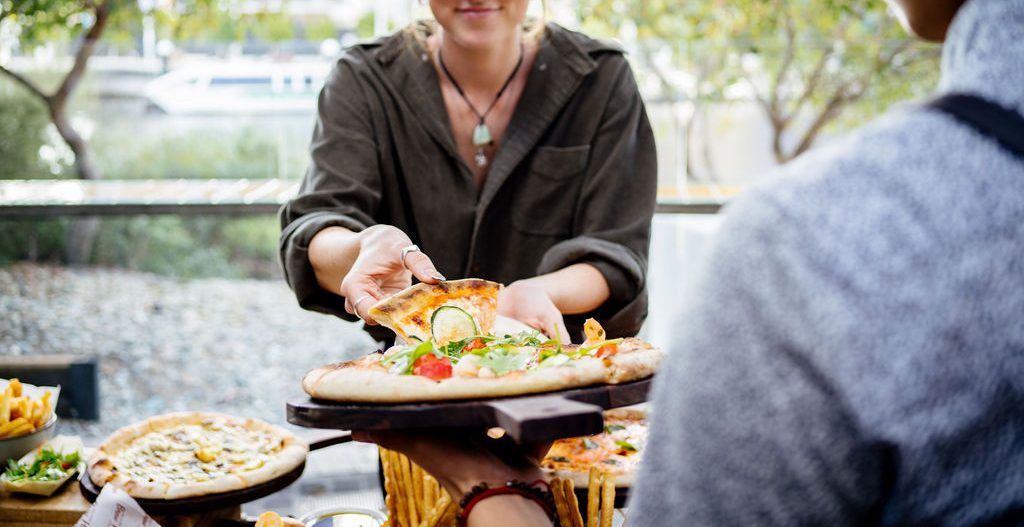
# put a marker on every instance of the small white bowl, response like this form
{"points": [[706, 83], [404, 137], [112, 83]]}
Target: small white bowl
{"points": [[15, 447]]}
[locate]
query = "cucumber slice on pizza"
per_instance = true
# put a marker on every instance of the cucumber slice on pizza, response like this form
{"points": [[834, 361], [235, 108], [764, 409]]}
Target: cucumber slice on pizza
{"points": [[450, 323], [412, 312]]}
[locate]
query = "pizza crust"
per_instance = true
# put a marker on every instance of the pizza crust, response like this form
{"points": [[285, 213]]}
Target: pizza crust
{"points": [[635, 360]]}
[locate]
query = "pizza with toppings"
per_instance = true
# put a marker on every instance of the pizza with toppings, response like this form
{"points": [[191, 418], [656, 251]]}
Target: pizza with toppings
{"points": [[190, 454], [618, 450], [452, 352]]}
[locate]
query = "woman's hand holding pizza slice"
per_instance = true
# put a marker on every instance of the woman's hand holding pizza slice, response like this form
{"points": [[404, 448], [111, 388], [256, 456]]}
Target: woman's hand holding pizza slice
{"points": [[386, 263]]}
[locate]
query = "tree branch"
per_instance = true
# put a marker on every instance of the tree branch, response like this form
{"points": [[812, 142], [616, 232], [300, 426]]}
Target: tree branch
{"points": [[787, 62], [89, 41], [27, 84], [835, 103]]}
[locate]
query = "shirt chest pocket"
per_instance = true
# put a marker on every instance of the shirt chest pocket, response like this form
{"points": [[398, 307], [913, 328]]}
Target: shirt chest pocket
{"points": [[545, 197]]}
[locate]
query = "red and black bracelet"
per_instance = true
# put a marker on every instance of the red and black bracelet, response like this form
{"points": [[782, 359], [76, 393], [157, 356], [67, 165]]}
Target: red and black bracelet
{"points": [[542, 496]]}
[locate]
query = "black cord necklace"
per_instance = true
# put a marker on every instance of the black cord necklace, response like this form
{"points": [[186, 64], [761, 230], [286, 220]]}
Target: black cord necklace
{"points": [[481, 134]]}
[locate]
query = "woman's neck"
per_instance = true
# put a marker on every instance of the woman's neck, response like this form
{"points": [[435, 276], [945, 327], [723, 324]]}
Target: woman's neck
{"points": [[480, 70]]}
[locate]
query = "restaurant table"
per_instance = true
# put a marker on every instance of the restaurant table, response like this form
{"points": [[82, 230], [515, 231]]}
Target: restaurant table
{"points": [[66, 506]]}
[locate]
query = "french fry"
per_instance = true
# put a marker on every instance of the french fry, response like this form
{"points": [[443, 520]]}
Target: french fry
{"points": [[422, 507], [15, 385], [5, 406], [408, 494], [433, 518], [387, 460], [6, 429], [572, 503], [24, 428], [430, 497], [607, 500], [560, 503], [593, 497]]}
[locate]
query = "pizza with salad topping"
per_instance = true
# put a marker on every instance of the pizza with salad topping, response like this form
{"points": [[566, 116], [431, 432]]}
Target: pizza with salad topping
{"points": [[453, 352]]}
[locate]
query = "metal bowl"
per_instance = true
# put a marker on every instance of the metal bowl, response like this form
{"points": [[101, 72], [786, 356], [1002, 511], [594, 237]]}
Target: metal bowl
{"points": [[344, 516], [15, 447]]}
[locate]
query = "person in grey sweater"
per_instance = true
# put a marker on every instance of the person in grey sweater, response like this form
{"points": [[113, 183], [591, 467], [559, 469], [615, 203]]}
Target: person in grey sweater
{"points": [[855, 353]]}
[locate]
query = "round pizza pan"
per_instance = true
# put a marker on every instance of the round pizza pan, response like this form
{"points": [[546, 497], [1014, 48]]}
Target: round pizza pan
{"points": [[209, 502], [548, 421]]}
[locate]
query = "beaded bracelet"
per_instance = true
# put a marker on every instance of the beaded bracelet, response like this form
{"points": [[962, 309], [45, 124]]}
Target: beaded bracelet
{"points": [[542, 497]]}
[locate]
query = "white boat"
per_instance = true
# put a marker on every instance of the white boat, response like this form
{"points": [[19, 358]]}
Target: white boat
{"points": [[239, 88]]}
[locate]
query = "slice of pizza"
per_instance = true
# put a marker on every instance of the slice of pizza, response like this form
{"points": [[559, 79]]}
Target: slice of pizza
{"points": [[446, 312]]}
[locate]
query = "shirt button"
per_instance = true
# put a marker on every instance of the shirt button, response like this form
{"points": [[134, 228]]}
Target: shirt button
{"points": [[543, 67]]}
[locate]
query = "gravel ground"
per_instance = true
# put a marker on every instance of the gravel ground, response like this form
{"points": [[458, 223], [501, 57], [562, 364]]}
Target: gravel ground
{"points": [[165, 344]]}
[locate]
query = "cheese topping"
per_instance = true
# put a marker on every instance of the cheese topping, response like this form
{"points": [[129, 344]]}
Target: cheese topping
{"points": [[194, 453]]}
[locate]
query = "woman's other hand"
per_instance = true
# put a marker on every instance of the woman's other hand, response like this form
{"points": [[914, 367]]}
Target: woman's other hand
{"points": [[530, 304]]}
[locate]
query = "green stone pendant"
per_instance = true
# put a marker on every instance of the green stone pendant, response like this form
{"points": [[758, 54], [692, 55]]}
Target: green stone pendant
{"points": [[481, 135]]}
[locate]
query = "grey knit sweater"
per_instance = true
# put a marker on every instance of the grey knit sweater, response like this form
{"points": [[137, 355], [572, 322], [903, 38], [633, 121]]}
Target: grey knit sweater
{"points": [[855, 353]]}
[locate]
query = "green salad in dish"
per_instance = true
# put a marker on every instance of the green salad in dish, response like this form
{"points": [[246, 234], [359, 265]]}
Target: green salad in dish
{"points": [[47, 466]]}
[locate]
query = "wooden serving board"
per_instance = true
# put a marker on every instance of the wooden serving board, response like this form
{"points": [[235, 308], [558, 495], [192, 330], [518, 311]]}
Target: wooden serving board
{"points": [[526, 419], [210, 502], [64, 507]]}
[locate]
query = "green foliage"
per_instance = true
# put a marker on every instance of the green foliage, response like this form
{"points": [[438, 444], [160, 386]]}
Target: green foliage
{"points": [[811, 59], [320, 28], [272, 26], [35, 240], [364, 27], [23, 121], [190, 247]]}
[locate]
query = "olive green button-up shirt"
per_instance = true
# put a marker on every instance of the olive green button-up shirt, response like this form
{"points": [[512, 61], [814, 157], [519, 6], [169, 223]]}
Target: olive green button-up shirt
{"points": [[573, 180]]}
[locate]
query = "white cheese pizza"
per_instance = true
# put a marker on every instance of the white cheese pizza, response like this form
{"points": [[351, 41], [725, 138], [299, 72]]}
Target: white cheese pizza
{"points": [[191, 454]]}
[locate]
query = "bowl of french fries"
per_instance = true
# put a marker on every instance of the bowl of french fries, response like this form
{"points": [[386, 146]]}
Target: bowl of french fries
{"points": [[27, 417]]}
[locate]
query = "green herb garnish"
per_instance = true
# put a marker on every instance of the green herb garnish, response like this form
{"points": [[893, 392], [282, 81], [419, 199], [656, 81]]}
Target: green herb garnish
{"points": [[47, 466], [625, 445]]}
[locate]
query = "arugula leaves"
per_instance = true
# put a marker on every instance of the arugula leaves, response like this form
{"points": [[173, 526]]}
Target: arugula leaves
{"points": [[48, 466], [503, 360]]}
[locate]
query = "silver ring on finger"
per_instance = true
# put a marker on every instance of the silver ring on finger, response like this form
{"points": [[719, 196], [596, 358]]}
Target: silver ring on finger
{"points": [[406, 251], [355, 305]]}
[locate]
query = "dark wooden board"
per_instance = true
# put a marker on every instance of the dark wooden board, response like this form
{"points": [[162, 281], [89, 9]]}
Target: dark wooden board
{"points": [[205, 503], [527, 418]]}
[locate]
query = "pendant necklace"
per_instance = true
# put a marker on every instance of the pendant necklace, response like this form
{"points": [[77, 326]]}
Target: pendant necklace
{"points": [[481, 134]]}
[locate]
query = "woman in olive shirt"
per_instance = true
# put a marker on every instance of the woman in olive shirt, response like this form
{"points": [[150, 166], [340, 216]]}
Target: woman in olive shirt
{"points": [[521, 156]]}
